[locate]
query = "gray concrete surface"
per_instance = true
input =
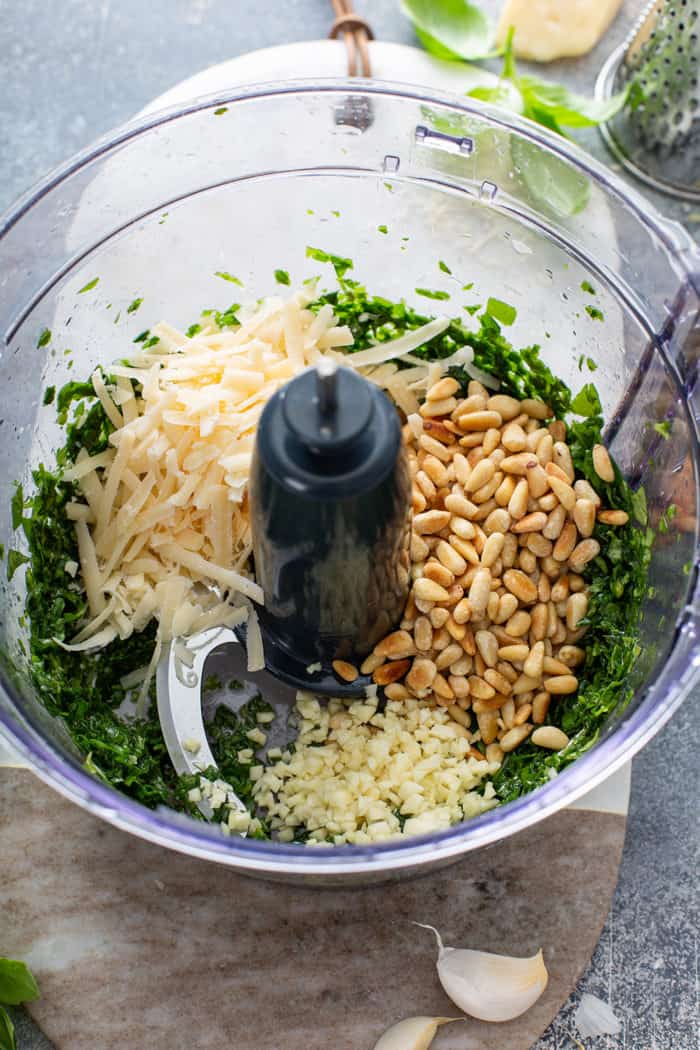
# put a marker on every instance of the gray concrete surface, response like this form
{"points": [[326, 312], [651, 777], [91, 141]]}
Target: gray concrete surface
{"points": [[72, 69]]}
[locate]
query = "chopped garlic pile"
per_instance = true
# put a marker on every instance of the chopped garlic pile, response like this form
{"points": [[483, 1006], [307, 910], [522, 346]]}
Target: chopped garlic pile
{"points": [[164, 530], [358, 775]]}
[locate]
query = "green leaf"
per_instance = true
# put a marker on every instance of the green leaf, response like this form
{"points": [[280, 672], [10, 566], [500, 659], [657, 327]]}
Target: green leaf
{"points": [[89, 286], [586, 286], [503, 312], [444, 267], [428, 294], [7, 1031], [49, 395], [44, 339], [664, 429], [587, 401], [638, 502], [564, 108], [220, 111], [228, 277], [498, 96], [17, 984], [339, 264], [133, 307], [594, 313], [15, 559], [450, 28], [192, 330], [282, 277], [17, 506], [383, 228]]}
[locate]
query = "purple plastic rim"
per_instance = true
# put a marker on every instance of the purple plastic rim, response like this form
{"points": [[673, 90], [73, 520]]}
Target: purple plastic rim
{"points": [[662, 695]]}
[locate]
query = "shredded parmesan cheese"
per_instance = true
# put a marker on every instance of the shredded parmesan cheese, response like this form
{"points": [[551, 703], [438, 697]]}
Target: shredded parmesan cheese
{"points": [[163, 530]]}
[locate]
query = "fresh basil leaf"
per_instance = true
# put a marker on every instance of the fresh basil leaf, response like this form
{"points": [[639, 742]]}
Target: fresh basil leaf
{"points": [[587, 401], [450, 28], [639, 506], [500, 311], [15, 560], [17, 985], [7, 1031], [498, 96], [565, 108]]}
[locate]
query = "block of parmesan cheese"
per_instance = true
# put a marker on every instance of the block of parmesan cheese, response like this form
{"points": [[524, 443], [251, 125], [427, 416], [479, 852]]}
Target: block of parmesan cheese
{"points": [[549, 29]]}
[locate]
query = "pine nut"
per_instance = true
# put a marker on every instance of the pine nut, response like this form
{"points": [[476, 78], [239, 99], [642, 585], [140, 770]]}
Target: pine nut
{"points": [[576, 582], [507, 604], [576, 609], [534, 522], [553, 666], [522, 714], [513, 653], [428, 590], [584, 490], [566, 542], [459, 686], [555, 523], [421, 675], [462, 666], [438, 430], [558, 430], [544, 449], [544, 587], [548, 502], [504, 492], [492, 605], [436, 471], [391, 672], [438, 408], [520, 585], [488, 647], [534, 663], [485, 509], [430, 522], [527, 562], [421, 605], [494, 753], [423, 634], [448, 656], [562, 458], [371, 663], [519, 624], [563, 491], [438, 618], [395, 645], [491, 441], [536, 409], [499, 681], [458, 715], [550, 737], [449, 557], [425, 485], [560, 590], [571, 655], [433, 570], [442, 688], [445, 387], [583, 553], [539, 623], [519, 464], [514, 438], [460, 506], [397, 691], [537, 481], [602, 464], [507, 407], [462, 468], [497, 521], [540, 707], [510, 550], [584, 516], [480, 689], [517, 505], [441, 638], [418, 501], [436, 448], [481, 473], [462, 528], [489, 489], [419, 548], [514, 737], [478, 420], [480, 590], [348, 672], [462, 611], [613, 517], [561, 685], [554, 471], [492, 548], [525, 684], [488, 726], [538, 545]]}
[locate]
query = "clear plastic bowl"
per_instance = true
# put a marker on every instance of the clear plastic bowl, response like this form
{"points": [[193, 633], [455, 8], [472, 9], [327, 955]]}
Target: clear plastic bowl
{"points": [[243, 184]]}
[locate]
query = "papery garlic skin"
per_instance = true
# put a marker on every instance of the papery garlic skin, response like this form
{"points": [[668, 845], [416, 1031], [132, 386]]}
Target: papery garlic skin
{"points": [[413, 1033], [487, 986], [595, 1017]]}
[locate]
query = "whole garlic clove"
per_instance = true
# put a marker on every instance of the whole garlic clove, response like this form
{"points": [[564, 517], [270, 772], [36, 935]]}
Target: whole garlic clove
{"points": [[487, 986], [413, 1033]]}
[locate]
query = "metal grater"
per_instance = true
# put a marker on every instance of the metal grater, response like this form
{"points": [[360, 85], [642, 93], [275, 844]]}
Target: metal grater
{"points": [[657, 133]]}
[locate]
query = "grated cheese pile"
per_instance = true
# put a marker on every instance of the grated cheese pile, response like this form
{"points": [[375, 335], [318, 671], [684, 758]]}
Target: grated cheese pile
{"points": [[164, 530], [357, 775]]}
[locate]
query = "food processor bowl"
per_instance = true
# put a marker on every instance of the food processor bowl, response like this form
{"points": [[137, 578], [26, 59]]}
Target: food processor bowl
{"points": [[396, 180]]}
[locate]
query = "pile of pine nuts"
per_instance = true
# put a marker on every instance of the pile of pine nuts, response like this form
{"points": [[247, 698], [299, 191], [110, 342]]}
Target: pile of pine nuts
{"points": [[500, 535]]}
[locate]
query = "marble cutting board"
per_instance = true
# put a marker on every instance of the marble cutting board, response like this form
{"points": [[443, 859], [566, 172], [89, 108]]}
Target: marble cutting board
{"points": [[134, 946]]}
